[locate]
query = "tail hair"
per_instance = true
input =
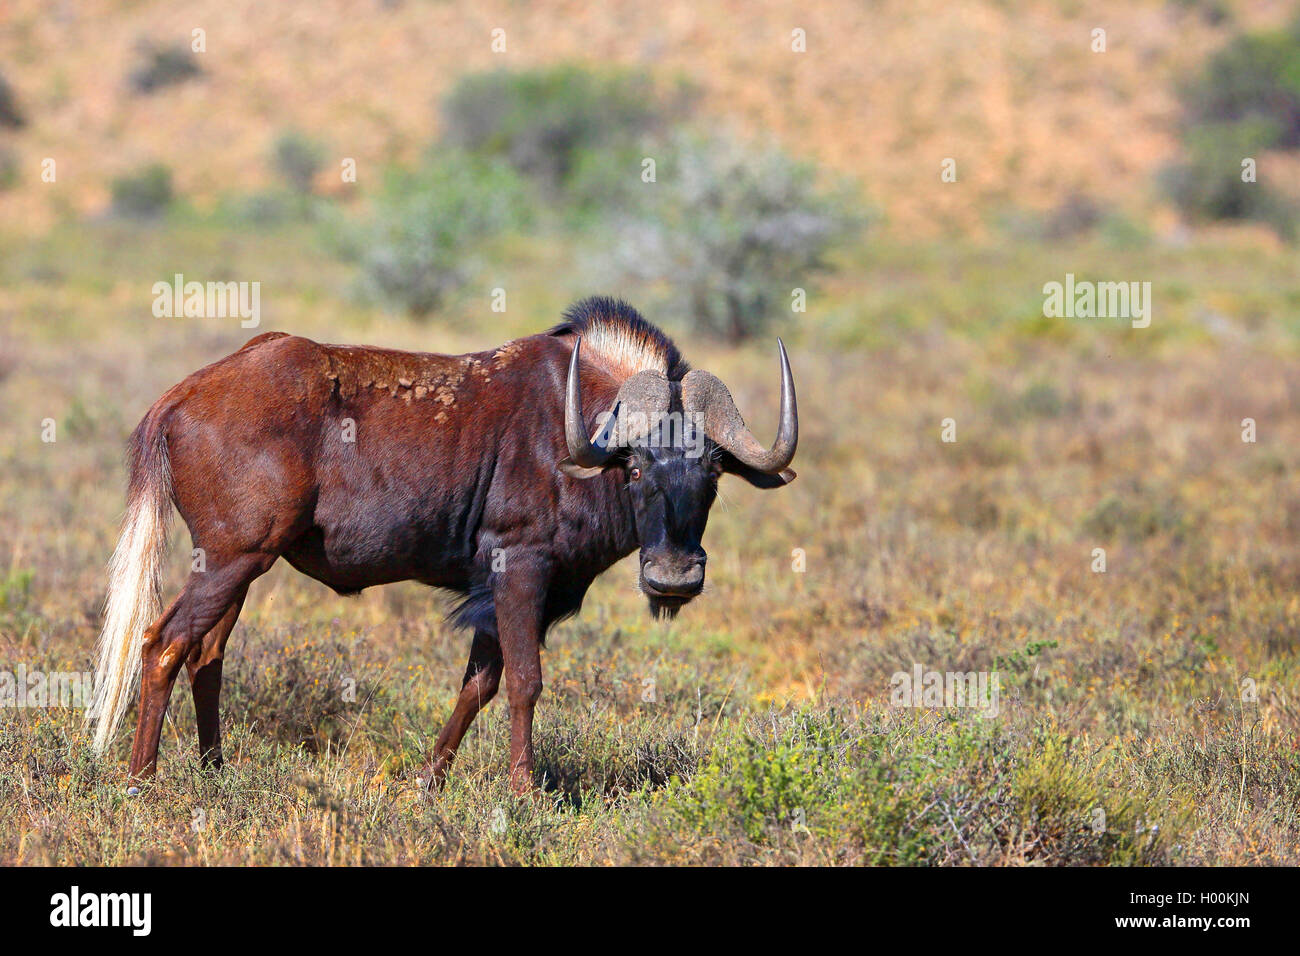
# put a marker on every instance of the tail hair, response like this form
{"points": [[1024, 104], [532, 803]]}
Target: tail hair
{"points": [[134, 580]]}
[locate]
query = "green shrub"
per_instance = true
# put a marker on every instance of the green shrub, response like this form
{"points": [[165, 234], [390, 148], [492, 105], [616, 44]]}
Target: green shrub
{"points": [[732, 228], [821, 787], [1207, 185], [607, 182], [1257, 75], [543, 121], [298, 159], [162, 67], [143, 194], [767, 787], [1245, 102], [1065, 811], [427, 223]]}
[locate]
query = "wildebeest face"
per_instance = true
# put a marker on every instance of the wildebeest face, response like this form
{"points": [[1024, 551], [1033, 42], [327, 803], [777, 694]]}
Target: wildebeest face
{"points": [[672, 440], [672, 492]]}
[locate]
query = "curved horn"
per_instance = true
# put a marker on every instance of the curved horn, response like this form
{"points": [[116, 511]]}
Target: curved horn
{"points": [[581, 449], [707, 395]]}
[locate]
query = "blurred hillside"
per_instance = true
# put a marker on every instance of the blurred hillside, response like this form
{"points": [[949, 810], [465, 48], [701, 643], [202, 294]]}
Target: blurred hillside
{"points": [[885, 91]]}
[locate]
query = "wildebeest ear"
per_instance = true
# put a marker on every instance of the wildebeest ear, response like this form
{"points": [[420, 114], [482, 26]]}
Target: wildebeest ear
{"points": [[578, 471], [758, 479]]}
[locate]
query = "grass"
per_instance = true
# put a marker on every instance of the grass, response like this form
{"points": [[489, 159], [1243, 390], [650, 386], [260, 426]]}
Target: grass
{"points": [[757, 728]]}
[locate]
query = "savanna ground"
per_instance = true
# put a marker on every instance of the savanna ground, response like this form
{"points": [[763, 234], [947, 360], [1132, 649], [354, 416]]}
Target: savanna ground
{"points": [[1148, 714], [769, 737]]}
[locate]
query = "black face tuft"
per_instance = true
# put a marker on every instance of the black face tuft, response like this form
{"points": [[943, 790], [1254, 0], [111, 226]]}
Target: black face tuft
{"points": [[664, 609], [672, 490]]}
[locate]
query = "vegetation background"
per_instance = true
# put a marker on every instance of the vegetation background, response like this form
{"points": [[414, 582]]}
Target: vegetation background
{"points": [[1149, 714]]}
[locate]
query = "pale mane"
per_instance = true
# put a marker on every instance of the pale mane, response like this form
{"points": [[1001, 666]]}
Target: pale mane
{"points": [[615, 336]]}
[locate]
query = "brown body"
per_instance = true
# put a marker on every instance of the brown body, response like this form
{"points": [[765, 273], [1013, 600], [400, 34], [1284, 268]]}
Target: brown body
{"points": [[365, 466]]}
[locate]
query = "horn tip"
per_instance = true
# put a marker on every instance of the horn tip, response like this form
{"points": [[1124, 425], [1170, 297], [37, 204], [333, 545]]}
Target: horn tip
{"points": [[573, 359]]}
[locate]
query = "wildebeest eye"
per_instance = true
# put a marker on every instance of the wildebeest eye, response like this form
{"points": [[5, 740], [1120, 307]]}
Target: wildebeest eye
{"points": [[634, 474]]}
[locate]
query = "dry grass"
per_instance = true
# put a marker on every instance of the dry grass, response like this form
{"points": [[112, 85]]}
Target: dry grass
{"points": [[770, 738]]}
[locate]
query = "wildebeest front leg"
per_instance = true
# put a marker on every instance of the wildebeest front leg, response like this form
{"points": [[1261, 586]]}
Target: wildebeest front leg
{"points": [[482, 678], [519, 602]]}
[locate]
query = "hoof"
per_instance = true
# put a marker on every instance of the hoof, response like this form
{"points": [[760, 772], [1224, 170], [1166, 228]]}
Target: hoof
{"points": [[133, 791]]}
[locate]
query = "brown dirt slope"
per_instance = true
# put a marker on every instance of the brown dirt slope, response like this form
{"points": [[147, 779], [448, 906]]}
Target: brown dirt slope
{"points": [[885, 91]]}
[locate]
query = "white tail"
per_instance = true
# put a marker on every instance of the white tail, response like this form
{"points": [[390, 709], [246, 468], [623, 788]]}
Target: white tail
{"points": [[134, 586]]}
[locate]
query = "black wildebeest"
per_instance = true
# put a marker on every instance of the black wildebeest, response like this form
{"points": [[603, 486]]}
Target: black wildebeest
{"points": [[476, 473]]}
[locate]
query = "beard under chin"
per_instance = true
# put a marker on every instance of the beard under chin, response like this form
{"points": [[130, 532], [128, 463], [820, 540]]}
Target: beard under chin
{"points": [[665, 608]]}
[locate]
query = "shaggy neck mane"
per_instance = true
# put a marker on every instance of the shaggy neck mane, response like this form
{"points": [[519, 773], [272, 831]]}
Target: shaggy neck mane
{"points": [[617, 338]]}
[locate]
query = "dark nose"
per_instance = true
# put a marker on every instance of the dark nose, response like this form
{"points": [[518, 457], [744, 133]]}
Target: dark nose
{"points": [[680, 579]]}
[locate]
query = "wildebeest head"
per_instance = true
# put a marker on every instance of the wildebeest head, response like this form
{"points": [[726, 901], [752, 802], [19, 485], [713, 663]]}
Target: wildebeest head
{"points": [[672, 440]]}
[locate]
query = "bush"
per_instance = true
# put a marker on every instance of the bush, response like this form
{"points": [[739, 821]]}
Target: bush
{"points": [[543, 121], [1246, 102], [1207, 185], [825, 788], [607, 182], [1066, 813], [1075, 215], [143, 194], [295, 694], [298, 159], [732, 228], [162, 67], [427, 222], [10, 114], [1255, 76]]}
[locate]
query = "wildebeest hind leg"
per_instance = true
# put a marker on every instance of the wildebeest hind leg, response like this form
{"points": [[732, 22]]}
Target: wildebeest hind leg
{"points": [[170, 640], [482, 678], [204, 668]]}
